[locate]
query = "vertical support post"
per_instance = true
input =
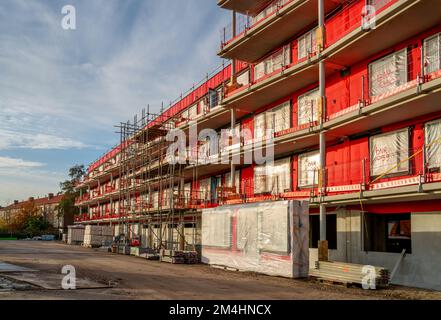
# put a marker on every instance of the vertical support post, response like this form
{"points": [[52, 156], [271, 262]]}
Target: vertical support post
{"points": [[233, 61], [233, 166], [323, 243], [233, 23], [423, 64]]}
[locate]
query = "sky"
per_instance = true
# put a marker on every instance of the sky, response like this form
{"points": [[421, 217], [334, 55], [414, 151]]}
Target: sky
{"points": [[63, 91]]}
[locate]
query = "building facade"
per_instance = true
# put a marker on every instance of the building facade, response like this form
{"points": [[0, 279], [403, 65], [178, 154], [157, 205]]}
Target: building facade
{"points": [[347, 93], [47, 207]]}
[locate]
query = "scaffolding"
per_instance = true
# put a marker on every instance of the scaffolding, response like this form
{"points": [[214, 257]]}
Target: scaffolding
{"points": [[152, 188]]}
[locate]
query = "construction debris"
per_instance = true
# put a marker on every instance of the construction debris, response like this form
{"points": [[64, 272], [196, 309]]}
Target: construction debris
{"points": [[348, 273]]}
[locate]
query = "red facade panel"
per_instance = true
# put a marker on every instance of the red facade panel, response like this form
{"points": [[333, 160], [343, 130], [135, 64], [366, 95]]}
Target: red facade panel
{"points": [[247, 181]]}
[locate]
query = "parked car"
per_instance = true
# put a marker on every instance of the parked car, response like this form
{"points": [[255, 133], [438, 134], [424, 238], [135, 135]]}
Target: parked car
{"points": [[48, 237], [37, 238]]}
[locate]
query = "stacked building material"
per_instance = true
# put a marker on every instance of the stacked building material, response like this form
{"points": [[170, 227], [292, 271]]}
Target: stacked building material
{"points": [[179, 257], [172, 256], [97, 236], [75, 235], [348, 273], [124, 249], [191, 257], [149, 254]]}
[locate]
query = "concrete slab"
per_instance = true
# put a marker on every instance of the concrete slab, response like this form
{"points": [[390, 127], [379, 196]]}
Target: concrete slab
{"points": [[7, 267], [52, 281]]}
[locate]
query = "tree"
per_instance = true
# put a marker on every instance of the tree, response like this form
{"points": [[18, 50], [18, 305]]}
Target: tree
{"points": [[66, 207], [76, 173]]}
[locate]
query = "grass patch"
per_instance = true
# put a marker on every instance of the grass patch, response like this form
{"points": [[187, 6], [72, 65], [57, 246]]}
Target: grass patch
{"points": [[8, 239]]}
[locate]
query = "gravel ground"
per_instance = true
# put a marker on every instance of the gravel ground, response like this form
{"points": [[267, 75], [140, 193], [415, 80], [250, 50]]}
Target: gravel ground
{"points": [[135, 278]]}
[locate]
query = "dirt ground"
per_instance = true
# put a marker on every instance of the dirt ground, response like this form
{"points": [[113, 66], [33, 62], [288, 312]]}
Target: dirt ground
{"points": [[126, 277]]}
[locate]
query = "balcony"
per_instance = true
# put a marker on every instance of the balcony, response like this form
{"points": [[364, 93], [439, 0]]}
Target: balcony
{"points": [[395, 22], [260, 37], [243, 6], [349, 45]]}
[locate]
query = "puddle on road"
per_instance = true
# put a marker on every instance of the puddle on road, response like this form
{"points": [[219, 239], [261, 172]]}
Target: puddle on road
{"points": [[11, 285]]}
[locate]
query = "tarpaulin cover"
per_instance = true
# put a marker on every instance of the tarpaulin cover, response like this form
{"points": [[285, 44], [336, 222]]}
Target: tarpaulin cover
{"points": [[389, 152], [307, 107], [432, 53], [307, 44], [388, 73], [268, 237], [309, 163], [433, 143], [273, 178]]}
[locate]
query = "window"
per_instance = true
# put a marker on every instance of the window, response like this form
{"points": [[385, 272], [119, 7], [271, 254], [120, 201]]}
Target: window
{"points": [[236, 180], [187, 193], [193, 112], [432, 54], [214, 97], [204, 107], [388, 73], [274, 178], [272, 63], [331, 231], [387, 232], [388, 153], [307, 107], [433, 144], [244, 78], [260, 179], [279, 118], [276, 120], [309, 165], [307, 44], [279, 179], [259, 127], [205, 189]]}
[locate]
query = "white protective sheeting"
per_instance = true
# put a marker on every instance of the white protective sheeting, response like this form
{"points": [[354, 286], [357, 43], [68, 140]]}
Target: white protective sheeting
{"points": [[309, 164], [388, 73], [273, 63], [432, 53], [236, 180], [433, 144], [389, 152], [279, 118], [307, 107], [274, 178], [244, 78], [267, 237], [259, 127], [307, 44]]}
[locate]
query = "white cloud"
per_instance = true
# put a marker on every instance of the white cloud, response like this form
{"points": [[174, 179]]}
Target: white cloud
{"points": [[14, 163], [21, 140], [67, 89]]}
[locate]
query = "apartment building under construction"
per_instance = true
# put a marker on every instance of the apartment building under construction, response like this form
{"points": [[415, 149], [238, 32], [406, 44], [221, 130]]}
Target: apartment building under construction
{"points": [[348, 93]]}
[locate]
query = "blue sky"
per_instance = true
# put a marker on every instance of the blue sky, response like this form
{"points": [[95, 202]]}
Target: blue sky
{"points": [[62, 92]]}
